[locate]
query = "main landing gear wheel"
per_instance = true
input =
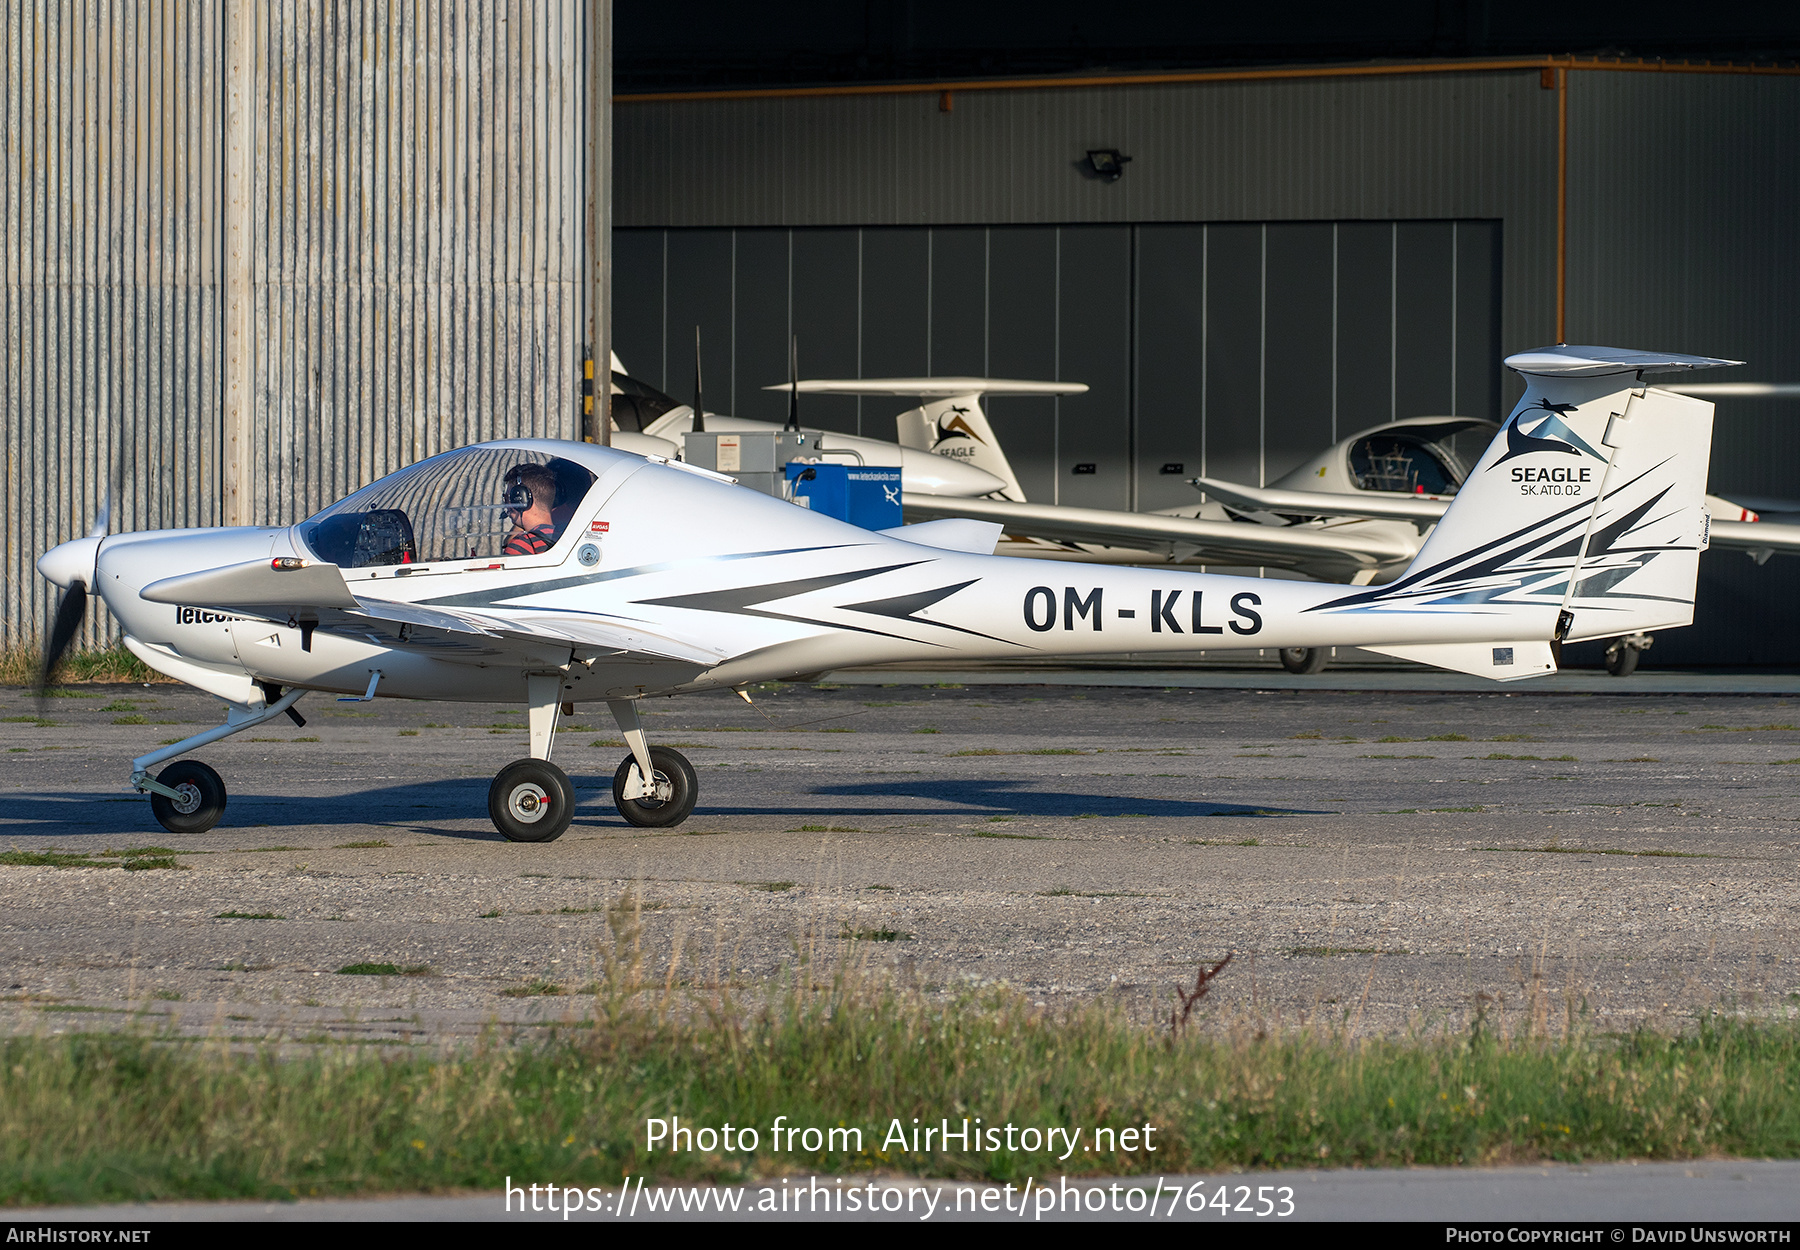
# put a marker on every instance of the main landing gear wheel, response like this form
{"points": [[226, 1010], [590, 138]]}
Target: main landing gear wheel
{"points": [[1304, 659], [674, 790], [1621, 658], [531, 801], [202, 799]]}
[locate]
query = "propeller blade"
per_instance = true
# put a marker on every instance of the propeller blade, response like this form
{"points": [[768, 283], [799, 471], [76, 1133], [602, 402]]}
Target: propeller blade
{"points": [[699, 425], [68, 623], [793, 421], [102, 518]]}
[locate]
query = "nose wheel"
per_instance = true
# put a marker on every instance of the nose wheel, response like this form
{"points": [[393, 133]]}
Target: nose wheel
{"points": [[198, 802], [666, 799], [531, 801]]}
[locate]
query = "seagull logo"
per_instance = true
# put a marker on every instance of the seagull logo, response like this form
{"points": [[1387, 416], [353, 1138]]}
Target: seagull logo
{"points": [[1552, 433], [956, 427]]}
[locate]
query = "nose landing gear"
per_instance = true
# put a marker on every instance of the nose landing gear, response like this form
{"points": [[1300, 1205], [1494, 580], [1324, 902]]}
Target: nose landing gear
{"points": [[199, 797]]}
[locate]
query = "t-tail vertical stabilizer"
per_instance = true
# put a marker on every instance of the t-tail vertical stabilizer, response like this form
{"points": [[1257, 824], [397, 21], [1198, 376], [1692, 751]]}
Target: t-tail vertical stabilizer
{"points": [[1585, 518]]}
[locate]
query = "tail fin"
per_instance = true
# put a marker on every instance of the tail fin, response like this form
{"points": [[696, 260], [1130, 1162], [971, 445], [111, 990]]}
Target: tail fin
{"points": [[957, 427], [1585, 518], [951, 422]]}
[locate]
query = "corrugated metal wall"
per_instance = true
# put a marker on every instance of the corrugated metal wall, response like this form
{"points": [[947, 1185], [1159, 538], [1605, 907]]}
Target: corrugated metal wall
{"points": [[110, 263], [1450, 146], [419, 237], [417, 260], [1236, 350]]}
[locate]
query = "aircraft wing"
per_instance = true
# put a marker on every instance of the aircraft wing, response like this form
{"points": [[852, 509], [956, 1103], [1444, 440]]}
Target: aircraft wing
{"points": [[1338, 550], [1761, 539], [1390, 507], [318, 592]]}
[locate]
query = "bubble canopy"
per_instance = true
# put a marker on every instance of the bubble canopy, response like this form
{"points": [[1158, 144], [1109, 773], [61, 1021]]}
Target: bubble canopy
{"points": [[463, 504]]}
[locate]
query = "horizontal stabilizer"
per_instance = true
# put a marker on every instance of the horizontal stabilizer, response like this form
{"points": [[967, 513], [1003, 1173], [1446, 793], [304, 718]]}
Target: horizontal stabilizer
{"points": [[951, 534], [255, 584], [1502, 661], [929, 388], [1740, 390], [1392, 507], [1592, 362]]}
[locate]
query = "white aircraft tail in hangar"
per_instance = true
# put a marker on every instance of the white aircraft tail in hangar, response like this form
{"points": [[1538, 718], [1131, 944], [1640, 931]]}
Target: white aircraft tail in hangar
{"points": [[555, 573]]}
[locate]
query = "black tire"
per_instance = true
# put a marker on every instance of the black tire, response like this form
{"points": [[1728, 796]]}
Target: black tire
{"points": [[202, 802], [1304, 659], [531, 801], [684, 786], [1621, 659]]}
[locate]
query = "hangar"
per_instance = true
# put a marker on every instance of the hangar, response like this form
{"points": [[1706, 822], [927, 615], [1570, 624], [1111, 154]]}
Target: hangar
{"points": [[259, 256]]}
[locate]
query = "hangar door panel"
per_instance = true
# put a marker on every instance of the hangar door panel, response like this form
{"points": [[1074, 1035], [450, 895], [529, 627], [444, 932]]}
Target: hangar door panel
{"points": [[1235, 349]]}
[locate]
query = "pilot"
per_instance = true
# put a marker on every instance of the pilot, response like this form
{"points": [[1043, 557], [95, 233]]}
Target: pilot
{"points": [[530, 496]]}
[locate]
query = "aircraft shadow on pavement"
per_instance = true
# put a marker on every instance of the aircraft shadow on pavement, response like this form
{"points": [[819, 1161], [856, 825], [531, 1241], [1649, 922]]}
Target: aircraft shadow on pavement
{"points": [[981, 796], [422, 807]]}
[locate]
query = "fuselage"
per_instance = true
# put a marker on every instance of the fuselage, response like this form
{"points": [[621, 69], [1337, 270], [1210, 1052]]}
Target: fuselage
{"points": [[771, 590]]}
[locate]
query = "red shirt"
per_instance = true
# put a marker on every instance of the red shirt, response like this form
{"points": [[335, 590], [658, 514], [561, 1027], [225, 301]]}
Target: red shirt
{"points": [[530, 542]]}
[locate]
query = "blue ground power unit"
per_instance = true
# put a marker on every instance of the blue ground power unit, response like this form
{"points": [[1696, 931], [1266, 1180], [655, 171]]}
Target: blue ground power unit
{"points": [[868, 496]]}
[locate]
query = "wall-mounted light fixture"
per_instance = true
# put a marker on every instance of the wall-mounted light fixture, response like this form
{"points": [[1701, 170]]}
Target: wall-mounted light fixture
{"points": [[1108, 164]]}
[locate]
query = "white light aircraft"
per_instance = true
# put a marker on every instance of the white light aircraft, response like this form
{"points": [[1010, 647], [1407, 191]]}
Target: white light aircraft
{"points": [[555, 573], [1357, 512], [651, 423]]}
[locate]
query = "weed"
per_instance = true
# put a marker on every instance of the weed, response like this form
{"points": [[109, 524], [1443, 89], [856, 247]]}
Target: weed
{"points": [[408, 733], [1189, 999], [359, 846], [1326, 952], [369, 970], [248, 915], [773, 887], [538, 988], [1054, 751], [927, 729], [489, 915], [167, 996], [153, 863], [995, 833], [825, 829], [874, 935]]}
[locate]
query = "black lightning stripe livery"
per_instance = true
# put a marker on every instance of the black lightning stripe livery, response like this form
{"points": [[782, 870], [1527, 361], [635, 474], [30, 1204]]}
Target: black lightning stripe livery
{"points": [[1543, 552], [738, 600]]}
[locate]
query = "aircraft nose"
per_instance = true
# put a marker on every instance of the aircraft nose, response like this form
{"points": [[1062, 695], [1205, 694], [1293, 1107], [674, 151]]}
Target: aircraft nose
{"points": [[927, 473], [70, 562]]}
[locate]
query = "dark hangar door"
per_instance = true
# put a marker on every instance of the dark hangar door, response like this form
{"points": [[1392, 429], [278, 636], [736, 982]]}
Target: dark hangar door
{"points": [[1235, 350]]}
